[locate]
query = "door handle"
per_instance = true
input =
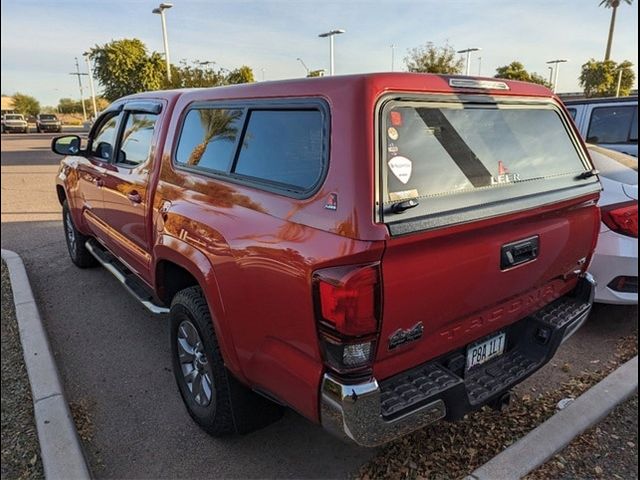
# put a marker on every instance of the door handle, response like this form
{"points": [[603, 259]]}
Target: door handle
{"points": [[164, 209], [134, 196], [517, 253]]}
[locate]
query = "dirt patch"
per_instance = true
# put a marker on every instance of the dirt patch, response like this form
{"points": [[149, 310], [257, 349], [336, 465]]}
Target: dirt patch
{"points": [[453, 450], [610, 450], [20, 447]]}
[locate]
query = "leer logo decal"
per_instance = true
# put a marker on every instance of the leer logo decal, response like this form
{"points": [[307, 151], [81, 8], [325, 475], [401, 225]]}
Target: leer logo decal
{"points": [[504, 176]]}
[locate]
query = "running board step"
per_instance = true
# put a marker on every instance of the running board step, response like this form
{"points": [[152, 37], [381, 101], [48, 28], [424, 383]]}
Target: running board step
{"points": [[129, 279]]}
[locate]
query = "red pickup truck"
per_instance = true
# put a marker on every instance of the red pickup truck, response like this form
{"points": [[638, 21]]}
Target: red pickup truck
{"points": [[377, 252]]}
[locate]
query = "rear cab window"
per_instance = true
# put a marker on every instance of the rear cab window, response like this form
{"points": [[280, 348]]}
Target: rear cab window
{"points": [[452, 162], [279, 146]]}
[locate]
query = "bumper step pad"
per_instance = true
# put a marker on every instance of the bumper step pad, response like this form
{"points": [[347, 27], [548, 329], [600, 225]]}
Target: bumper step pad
{"points": [[484, 383], [411, 389], [561, 312]]}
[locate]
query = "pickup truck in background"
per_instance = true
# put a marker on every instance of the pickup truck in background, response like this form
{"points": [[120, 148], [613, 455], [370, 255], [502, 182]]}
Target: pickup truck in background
{"points": [[608, 122], [14, 122], [377, 252], [48, 122]]}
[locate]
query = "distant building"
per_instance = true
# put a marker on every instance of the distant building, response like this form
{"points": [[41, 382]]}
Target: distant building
{"points": [[8, 105]]}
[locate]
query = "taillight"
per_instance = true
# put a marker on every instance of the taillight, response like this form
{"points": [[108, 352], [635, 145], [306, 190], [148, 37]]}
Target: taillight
{"points": [[347, 302], [622, 218]]}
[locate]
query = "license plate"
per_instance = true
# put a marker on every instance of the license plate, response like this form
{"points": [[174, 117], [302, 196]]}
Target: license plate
{"points": [[486, 350]]}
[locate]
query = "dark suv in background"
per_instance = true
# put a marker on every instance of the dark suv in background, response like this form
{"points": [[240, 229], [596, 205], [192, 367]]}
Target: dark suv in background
{"points": [[48, 122]]}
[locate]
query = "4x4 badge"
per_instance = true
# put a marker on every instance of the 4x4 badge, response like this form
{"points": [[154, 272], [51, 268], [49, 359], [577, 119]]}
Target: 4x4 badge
{"points": [[401, 336], [332, 202]]}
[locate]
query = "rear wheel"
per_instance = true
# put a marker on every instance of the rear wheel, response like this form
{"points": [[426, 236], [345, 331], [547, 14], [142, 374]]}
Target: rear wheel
{"points": [[78, 252], [216, 401]]}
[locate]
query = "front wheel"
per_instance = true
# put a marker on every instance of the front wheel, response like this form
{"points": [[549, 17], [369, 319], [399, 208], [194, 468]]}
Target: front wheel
{"points": [[78, 252], [215, 400]]}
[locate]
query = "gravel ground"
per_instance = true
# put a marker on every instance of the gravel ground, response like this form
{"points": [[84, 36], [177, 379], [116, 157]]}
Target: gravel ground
{"points": [[20, 448], [453, 450], [608, 451]]}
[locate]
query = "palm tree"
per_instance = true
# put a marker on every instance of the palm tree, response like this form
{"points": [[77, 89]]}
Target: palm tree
{"points": [[217, 123], [613, 5]]}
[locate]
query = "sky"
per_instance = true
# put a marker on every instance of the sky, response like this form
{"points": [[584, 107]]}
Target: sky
{"points": [[40, 38]]}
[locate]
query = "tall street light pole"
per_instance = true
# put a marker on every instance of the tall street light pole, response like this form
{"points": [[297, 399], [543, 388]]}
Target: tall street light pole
{"points": [[79, 75], [91, 88], [160, 11], [556, 69], [468, 52], [393, 57], [619, 84], [331, 34]]}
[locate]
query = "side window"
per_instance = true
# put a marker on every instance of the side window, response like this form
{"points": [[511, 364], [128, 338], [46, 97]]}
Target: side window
{"points": [[283, 146], [136, 139], [105, 138], [612, 125], [208, 138], [572, 112]]}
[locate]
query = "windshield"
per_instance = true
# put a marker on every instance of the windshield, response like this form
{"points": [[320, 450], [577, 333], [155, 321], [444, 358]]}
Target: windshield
{"points": [[448, 156], [13, 117], [48, 117]]}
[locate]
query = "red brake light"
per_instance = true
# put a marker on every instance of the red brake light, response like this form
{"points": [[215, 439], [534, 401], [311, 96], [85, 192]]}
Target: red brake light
{"points": [[622, 218], [348, 298]]}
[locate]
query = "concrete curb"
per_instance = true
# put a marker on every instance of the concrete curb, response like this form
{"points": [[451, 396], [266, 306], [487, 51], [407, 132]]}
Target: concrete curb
{"points": [[555, 434], [60, 447]]}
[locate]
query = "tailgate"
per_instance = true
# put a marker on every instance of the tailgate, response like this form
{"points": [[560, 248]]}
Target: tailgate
{"points": [[491, 209], [454, 284]]}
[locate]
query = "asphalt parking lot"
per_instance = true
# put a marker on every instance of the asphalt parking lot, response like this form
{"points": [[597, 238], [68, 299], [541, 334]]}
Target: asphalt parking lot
{"points": [[114, 357]]}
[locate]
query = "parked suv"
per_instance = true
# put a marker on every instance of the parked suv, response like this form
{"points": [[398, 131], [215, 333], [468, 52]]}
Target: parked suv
{"points": [[377, 252], [48, 122], [14, 122], [608, 122]]}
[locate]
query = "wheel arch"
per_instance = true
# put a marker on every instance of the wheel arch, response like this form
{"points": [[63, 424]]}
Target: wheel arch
{"points": [[187, 267]]}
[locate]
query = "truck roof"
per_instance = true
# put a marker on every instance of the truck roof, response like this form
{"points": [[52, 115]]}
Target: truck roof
{"points": [[583, 101], [373, 83]]}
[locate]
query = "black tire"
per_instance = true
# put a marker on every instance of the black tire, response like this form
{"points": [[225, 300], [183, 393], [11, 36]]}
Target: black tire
{"points": [[233, 408], [38, 130], [78, 252]]}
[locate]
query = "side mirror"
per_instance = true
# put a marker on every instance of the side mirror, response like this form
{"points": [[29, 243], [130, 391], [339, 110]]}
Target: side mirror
{"points": [[66, 145]]}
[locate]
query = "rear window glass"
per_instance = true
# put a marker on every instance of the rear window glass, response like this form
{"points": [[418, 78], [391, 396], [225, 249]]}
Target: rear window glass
{"points": [[444, 151], [451, 157], [284, 147], [617, 124], [209, 137]]}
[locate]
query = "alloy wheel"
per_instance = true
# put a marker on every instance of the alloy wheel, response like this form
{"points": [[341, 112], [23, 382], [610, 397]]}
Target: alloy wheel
{"points": [[194, 364]]}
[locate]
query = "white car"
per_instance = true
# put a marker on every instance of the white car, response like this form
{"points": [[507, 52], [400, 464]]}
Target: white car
{"points": [[615, 262]]}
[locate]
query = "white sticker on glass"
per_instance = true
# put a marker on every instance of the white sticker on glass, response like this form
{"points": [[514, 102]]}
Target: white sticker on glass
{"points": [[401, 168]]}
